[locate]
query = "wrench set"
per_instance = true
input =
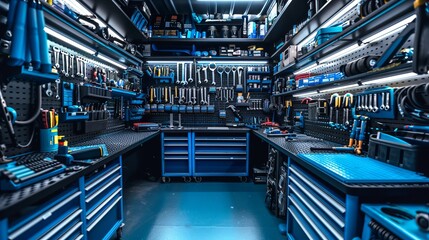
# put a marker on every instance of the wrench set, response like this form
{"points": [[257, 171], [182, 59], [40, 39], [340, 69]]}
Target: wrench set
{"points": [[376, 103], [344, 103]]}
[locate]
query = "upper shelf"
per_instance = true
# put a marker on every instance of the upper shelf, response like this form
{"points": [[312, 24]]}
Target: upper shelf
{"points": [[326, 12], [290, 15], [62, 23], [390, 12], [207, 40], [116, 18], [214, 58]]}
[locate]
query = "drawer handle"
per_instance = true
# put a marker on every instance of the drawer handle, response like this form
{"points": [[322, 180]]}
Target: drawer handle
{"points": [[31, 224], [94, 195], [90, 227], [312, 224], [303, 228], [90, 186], [60, 226], [96, 210], [318, 203], [323, 194], [71, 231], [79, 237], [314, 211]]}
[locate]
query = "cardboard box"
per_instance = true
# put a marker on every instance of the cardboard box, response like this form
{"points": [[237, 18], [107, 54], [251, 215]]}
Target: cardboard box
{"points": [[289, 55]]}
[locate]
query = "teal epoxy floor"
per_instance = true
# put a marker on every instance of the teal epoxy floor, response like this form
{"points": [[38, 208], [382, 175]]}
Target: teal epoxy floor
{"points": [[203, 211]]}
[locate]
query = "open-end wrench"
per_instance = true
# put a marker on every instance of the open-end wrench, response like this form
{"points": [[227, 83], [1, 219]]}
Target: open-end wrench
{"points": [[67, 64], [63, 60], [206, 80], [56, 57], [78, 73], [72, 65], [201, 96], [57, 89], [190, 79], [199, 74], [194, 95], [184, 81], [49, 90], [370, 102], [84, 70], [365, 105], [212, 67], [387, 105], [227, 70], [239, 72], [220, 70], [231, 95], [382, 101], [180, 96], [358, 103], [190, 96], [178, 75], [375, 107], [183, 95], [205, 96], [234, 69]]}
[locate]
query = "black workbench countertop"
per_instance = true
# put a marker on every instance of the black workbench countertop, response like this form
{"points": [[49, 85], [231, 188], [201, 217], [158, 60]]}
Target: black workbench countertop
{"points": [[206, 129], [117, 143]]}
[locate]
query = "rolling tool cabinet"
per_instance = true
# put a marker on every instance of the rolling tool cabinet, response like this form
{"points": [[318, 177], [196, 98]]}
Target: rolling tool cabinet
{"points": [[176, 152]]}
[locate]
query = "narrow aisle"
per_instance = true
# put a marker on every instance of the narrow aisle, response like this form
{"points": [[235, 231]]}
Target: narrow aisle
{"points": [[207, 210]]}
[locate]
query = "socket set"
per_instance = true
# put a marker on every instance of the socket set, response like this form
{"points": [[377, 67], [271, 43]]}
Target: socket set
{"points": [[376, 103]]}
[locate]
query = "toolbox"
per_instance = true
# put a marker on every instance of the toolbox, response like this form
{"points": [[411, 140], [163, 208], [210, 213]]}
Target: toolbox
{"points": [[324, 34], [405, 149]]}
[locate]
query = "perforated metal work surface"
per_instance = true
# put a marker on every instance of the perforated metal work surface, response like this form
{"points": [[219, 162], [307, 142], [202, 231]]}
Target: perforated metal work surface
{"points": [[350, 168]]}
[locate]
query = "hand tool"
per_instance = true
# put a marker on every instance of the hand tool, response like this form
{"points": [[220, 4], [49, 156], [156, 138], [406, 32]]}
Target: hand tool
{"points": [[184, 80], [375, 108], [212, 67], [227, 71], [347, 104], [72, 65], [353, 132], [337, 110], [220, 70], [84, 72], [153, 107], [234, 69], [362, 133], [226, 95], [206, 80], [201, 96], [151, 94], [370, 107], [49, 90], [189, 96], [178, 71], [56, 57], [382, 101], [387, 105], [78, 73], [57, 90], [199, 74], [239, 87], [194, 95], [358, 103], [157, 96], [190, 79], [365, 106], [231, 95], [332, 103]]}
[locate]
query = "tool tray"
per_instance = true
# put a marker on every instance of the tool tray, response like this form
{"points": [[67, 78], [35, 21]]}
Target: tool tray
{"points": [[409, 150]]}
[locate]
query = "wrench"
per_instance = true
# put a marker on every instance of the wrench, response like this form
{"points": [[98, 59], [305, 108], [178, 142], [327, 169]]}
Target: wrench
{"points": [[220, 70], [190, 96], [240, 72], [227, 95], [358, 103], [63, 60], [212, 67], [84, 70], [72, 65], [227, 70], [180, 96], [234, 69], [190, 73], [365, 106], [184, 81], [370, 103], [49, 90], [201, 96], [205, 96], [57, 89], [382, 102], [206, 80], [199, 74], [387, 106], [178, 70], [78, 73], [56, 57], [375, 108], [67, 64], [194, 95]]}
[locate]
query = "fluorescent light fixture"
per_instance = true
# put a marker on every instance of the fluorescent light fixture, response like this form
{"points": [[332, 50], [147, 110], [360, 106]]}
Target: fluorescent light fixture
{"points": [[349, 86], [394, 28], [391, 78], [305, 94], [342, 53], [77, 7], [230, 0], [305, 70], [109, 60], [69, 41], [238, 62], [167, 62]]}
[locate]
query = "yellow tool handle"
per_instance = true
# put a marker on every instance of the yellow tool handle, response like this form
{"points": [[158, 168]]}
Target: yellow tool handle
{"points": [[175, 92], [346, 105], [166, 94], [151, 94]]}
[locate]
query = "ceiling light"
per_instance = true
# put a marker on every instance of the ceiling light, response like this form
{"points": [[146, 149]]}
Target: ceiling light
{"points": [[306, 70], [391, 79], [167, 62], [342, 53], [109, 60], [305, 94], [77, 7], [396, 27], [335, 89], [69, 40]]}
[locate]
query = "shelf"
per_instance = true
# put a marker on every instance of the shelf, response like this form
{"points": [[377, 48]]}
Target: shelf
{"points": [[112, 14], [70, 28], [393, 10], [173, 59], [207, 40], [227, 22], [257, 73], [117, 92], [286, 19], [326, 12], [404, 68], [23, 73]]}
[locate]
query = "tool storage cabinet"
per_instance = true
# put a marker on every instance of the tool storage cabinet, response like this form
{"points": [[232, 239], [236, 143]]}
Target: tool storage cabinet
{"points": [[221, 154], [103, 201], [58, 218], [176, 154]]}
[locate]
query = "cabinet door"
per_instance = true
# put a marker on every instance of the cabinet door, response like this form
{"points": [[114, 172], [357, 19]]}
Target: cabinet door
{"points": [[176, 154], [221, 154]]}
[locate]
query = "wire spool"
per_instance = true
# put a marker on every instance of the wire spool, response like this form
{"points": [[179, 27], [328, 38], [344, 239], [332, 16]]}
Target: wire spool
{"points": [[354, 68], [348, 70]]}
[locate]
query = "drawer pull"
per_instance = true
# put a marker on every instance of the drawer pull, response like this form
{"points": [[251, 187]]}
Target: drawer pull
{"points": [[71, 231], [318, 203], [327, 225], [90, 227], [96, 210], [79, 237], [303, 228], [320, 192], [90, 186], [312, 224], [94, 195], [32, 223], [60, 226]]}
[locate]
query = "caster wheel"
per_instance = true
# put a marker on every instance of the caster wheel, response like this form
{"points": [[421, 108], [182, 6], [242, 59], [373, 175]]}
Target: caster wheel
{"points": [[187, 179], [243, 179], [198, 179], [165, 179]]}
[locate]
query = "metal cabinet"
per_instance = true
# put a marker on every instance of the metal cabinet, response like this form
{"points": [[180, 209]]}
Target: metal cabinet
{"points": [[176, 154], [221, 154]]}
